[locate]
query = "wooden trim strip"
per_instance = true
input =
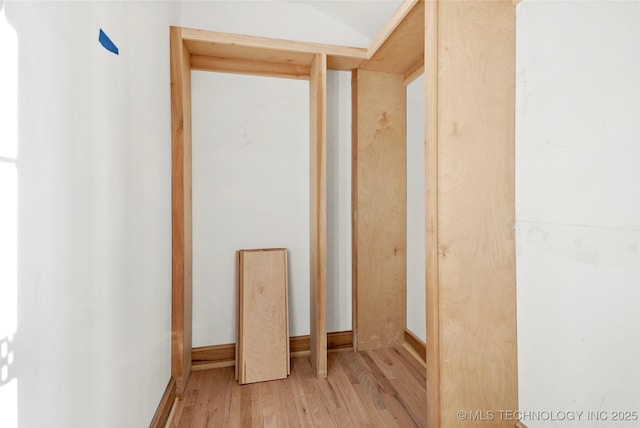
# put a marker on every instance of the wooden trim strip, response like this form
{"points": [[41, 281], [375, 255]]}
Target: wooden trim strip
{"points": [[181, 210], [208, 357], [164, 408], [434, 387], [230, 39], [520, 425], [416, 344], [413, 75], [254, 68], [340, 340]]}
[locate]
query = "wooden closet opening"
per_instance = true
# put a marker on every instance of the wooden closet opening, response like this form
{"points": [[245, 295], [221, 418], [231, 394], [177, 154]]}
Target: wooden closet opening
{"points": [[221, 52], [250, 166], [467, 52]]}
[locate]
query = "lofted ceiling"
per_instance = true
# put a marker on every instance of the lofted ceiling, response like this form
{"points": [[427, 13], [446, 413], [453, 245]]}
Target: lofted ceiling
{"points": [[366, 17]]}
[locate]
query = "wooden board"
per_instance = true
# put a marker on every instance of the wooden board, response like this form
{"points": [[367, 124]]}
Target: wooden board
{"points": [[379, 209], [180, 211], [243, 66], [263, 49], [475, 299], [403, 50], [318, 212], [263, 334]]}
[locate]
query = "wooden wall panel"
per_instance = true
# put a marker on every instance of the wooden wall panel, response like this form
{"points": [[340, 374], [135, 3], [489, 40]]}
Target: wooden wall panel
{"points": [[180, 211], [475, 210], [318, 212], [263, 334], [379, 205]]}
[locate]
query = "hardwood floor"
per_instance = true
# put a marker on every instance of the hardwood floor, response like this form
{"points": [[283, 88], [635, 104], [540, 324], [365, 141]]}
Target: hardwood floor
{"points": [[381, 388]]}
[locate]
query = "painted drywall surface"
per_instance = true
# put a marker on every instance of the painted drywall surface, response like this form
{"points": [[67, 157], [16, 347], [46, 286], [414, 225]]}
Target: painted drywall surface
{"points": [[92, 346], [577, 199], [94, 218], [416, 250], [339, 201], [250, 190]]}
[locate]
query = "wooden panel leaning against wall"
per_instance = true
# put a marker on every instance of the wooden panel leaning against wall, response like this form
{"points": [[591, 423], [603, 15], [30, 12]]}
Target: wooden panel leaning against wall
{"points": [[263, 321]]}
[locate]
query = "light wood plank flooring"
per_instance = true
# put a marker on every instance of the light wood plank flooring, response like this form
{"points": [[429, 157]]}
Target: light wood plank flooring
{"points": [[381, 388]]}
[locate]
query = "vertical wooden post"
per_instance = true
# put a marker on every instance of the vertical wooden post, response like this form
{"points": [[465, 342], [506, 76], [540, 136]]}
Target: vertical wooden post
{"points": [[470, 133], [318, 212], [431, 212], [379, 209], [180, 211]]}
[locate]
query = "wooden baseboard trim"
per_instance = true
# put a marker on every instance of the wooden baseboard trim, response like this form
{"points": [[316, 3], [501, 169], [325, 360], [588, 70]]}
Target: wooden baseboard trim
{"points": [[164, 408], [211, 357], [416, 344]]}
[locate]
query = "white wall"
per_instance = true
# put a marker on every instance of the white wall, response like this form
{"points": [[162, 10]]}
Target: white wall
{"points": [[416, 250], [251, 170], [92, 346], [250, 190], [339, 201], [578, 223], [94, 218]]}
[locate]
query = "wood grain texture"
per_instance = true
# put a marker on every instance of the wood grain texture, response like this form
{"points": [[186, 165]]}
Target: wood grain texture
{"points": [[262, 49], [238, 308], [432, 309], [379, 209], [476, 251], [318, 212], [403, 50], [205, 357], [390, 26], [263, 337], [382, 388], [215, 353], [181, 210], [413, 75], [416, 344], [254, 68], [161, 416]]}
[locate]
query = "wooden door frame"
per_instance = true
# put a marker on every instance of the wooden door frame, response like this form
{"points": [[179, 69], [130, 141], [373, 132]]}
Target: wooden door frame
{"points": [[202, 50]]}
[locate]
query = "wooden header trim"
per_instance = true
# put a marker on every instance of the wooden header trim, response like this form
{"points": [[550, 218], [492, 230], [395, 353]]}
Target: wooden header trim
{"points": [[258, 50], [392, 50], [243, 66]]}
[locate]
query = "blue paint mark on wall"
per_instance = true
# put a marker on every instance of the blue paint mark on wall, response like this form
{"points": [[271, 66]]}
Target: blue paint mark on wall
{"points": [[106, 42]]}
